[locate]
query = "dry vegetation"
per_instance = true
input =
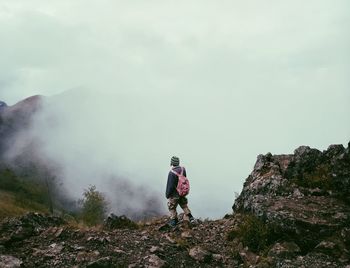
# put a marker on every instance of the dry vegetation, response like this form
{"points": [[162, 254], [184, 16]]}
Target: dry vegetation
{"points": [[18, 196]]}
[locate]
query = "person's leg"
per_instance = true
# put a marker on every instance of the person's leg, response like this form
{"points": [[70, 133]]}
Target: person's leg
{"points": [[172, 204], [183, 202]]}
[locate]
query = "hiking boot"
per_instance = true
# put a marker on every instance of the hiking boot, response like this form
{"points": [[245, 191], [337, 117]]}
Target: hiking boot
{"points": [[173, 223], [191, 218]]}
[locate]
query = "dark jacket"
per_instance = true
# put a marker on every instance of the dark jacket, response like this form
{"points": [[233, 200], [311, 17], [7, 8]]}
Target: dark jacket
{"points": [[172, 182]]}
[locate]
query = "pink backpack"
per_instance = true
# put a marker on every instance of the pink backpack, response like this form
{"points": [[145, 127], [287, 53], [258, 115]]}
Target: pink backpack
{"points": [[183, 185]]}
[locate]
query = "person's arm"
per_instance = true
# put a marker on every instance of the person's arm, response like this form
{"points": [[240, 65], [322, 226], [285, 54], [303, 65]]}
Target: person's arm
{"points": [[170, 186]]}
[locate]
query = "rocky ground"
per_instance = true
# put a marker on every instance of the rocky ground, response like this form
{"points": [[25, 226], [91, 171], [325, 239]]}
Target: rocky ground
{"points": [[41, 241], [294, 211]]}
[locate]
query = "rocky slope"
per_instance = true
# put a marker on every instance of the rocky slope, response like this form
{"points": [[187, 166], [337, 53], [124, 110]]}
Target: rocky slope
{"points": [[40, 241], [293, 212], [304, 199]]}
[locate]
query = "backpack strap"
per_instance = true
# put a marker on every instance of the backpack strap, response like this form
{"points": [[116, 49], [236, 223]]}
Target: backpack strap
{"points": [[174, 172], [178, 174]]}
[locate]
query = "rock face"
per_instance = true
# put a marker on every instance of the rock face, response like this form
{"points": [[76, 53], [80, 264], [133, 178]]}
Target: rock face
{"points": [[305, 198]]}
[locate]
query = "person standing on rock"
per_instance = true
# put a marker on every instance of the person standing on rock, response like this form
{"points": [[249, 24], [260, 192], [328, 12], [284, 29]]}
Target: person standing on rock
{"points": [[176, 190]]}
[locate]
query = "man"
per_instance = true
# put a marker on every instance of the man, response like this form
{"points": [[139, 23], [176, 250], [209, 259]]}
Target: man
{"points": [[173, 196]]}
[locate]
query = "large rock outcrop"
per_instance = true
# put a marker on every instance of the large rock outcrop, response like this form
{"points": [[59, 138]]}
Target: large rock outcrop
{"points": [[305, 198]]}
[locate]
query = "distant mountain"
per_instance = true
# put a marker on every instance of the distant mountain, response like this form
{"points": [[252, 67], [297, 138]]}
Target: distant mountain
{"points": [[21, 110], [16, 118], [24, 174], [3, 105]]}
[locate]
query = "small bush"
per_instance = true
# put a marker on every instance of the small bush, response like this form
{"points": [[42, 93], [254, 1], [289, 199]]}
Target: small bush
{"points": [[252, 232], [94, 206], [182, 243], [119, 222], [315, 177]]}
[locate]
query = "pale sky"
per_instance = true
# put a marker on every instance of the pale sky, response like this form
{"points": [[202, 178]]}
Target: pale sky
{"points": [[215, 82]]}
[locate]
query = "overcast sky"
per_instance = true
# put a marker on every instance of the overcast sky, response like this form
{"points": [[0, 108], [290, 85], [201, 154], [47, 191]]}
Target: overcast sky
{"points": [[215, 82]]}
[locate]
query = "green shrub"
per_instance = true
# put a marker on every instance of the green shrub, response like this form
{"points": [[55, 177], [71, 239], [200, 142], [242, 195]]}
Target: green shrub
{"points": [[317, 177], [94, 206], [119, 222], [252, 232]]}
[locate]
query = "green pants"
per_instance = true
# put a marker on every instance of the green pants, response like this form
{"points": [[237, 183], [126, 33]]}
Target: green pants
{"points": [[172, 205]]}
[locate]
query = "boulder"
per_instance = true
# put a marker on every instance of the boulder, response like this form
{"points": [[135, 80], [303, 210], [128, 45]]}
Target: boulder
{"points": [[200, 254], [284, 250], [7, 261], [105, 262], [249, 258], [156, 262]]}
